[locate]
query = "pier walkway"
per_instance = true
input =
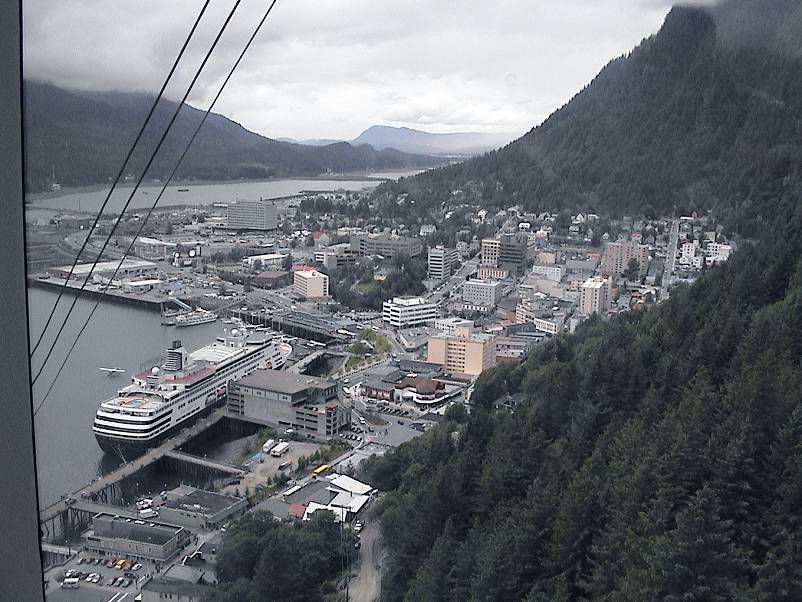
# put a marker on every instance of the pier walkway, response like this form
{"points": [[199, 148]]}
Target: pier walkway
{"points": [[78, 498], [184, 457]]}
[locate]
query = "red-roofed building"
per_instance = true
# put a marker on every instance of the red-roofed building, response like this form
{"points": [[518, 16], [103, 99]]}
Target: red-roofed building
{"points": [[296, 511]]}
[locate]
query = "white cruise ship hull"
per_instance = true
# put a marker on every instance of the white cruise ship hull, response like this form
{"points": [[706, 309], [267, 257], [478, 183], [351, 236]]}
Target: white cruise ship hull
{"points": [[142, 417]]}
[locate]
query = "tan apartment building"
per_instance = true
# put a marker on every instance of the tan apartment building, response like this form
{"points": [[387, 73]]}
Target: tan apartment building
{"points": [[595, 295], [617, 255], [490, 249], [310, 284], [463, 352]]}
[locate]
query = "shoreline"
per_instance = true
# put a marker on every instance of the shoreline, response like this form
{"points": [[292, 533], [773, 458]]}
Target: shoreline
{"points": [[32, 197]]}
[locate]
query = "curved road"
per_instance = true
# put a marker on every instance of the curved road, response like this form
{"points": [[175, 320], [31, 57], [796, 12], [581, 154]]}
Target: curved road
{"points": [[366, 586]]}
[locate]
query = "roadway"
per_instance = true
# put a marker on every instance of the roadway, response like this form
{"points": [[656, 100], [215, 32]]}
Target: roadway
{"points": [[457, 279], [366, 586], [668, 269]]}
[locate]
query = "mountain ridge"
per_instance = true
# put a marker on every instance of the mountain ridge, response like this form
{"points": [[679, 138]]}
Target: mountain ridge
{"points": [[419, 141], [83, 136], [415, 141], [671, 127]]}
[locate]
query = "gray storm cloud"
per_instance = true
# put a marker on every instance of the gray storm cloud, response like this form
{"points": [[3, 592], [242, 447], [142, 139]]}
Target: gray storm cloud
{"points": [[330, 68]]}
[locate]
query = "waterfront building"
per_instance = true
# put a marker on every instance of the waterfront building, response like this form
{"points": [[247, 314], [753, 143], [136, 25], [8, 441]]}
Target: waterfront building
{"points": [[253, 215], [200, 509], [284, 400], [135, 539], [130, 268]]}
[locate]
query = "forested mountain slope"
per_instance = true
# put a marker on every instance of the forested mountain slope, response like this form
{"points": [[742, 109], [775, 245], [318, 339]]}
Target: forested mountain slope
{"points": [[83, 137], [657, 456], [654, 457], [687, 121]]}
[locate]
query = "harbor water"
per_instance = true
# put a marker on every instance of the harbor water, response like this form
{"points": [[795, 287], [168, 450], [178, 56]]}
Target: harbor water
{"points": [[188, 194], [67, 455]]}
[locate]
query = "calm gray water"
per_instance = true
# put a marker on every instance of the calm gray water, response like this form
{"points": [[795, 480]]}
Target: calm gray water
{"points": [[204, 194], [67, 455]]}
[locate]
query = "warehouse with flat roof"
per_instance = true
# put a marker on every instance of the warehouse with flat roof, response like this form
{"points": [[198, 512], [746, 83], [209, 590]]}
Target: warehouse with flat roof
{"points": [[201, 509]]}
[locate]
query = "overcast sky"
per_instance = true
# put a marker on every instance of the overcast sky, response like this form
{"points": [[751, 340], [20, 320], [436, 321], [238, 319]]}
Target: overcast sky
{"points": [[331, 68]]}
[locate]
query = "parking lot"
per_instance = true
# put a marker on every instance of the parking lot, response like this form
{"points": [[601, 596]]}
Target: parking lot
{"points": [[97, 578], [261, 472], [393, 426]]}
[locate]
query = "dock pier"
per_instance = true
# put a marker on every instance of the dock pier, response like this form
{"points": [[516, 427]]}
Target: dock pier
{"points": [[71, 514]]}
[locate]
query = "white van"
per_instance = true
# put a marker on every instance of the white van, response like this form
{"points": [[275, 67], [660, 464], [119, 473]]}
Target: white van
{"points": [[70, 583]]}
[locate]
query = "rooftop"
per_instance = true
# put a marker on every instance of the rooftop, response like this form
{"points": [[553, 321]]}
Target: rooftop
{"points": [[409, 301], [283, 381], [82, 269], [144, 240], [199, 501], [309, 274], [109, 525]]}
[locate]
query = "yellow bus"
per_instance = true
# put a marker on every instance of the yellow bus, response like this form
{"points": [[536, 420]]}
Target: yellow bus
{"points": [[320, 470]]}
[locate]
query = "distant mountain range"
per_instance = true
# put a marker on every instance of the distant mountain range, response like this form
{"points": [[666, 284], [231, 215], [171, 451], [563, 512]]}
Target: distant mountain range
{"points": [[80, 138], [408, 140]]}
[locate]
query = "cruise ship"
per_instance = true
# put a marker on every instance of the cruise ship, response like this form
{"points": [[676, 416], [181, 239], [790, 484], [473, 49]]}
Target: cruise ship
{"points": [[162, 400]]}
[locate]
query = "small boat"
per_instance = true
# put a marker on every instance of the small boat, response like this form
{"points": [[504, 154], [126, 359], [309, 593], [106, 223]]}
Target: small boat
{"points": [[183, 190], [198, 316], [112, 371]]}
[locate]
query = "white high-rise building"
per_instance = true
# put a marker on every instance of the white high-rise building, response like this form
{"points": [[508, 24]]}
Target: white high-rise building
{"points": [[481, 293], [405, 312], [441, 262], [253, 215]]}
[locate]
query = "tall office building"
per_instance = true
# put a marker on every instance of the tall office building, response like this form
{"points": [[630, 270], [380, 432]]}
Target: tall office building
{"points": [[441, 262], [253, 215], [512, 252], [489, 250], [594, 296]]}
